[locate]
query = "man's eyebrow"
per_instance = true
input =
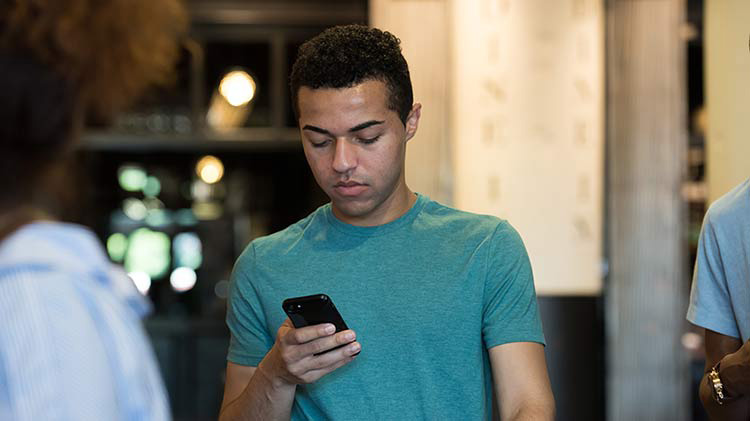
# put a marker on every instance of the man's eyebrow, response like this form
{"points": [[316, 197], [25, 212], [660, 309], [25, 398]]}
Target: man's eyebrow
{"points": [[316, 129], [365, 125], [356, 128]]}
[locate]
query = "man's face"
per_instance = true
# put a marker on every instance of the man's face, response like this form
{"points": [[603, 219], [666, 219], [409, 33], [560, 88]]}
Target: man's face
{"points": [[356, 148]]}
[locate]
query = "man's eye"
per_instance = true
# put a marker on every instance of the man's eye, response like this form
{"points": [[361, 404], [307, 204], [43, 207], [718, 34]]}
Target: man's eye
{"points": [[319, 144], [370, 140]]}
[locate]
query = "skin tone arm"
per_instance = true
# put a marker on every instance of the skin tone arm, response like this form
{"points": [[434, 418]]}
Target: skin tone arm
{"points": [[522, 386], [266, 392], [735, 377]]}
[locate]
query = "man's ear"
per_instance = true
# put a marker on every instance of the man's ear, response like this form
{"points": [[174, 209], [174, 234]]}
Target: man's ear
{"points": [[412, 120]]}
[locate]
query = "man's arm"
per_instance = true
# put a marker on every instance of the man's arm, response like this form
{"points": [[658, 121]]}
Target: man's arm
{"points": [[522, 386], [261, 398], [734, 372], [267, 392]]}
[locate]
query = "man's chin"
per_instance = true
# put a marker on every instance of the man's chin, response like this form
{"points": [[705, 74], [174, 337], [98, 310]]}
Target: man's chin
{"points": [[351, 209]]}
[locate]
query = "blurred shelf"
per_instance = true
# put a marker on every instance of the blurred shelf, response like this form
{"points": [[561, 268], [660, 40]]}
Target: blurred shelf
{"points": [[279, 12], [243, 140]]}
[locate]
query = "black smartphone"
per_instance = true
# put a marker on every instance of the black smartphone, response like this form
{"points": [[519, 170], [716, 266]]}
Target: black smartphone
{"points": [[312, 310]]}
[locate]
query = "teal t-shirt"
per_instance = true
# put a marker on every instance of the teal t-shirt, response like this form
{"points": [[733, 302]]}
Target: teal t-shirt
{"points": [[427, 294]]}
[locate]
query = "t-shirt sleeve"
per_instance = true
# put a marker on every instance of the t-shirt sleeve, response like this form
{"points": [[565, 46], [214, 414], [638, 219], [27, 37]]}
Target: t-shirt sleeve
{"points": [[250, 340], [709, 295], [510, 312]]}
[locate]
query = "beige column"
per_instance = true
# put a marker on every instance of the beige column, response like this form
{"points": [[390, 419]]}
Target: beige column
{"points": [[647, 368], [513, 120], [528, 129], [727, 65]]}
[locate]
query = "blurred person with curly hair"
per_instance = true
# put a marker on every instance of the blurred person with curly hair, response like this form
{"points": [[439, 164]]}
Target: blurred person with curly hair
{"points": [[72, 346], [440, 302]]}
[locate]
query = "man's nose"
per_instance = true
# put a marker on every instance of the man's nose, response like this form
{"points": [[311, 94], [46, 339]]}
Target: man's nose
{"points": [[345, 157]]}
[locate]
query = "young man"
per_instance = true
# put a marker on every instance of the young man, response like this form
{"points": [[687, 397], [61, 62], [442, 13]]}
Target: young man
{"points": [[442, 301], [720, 303]]}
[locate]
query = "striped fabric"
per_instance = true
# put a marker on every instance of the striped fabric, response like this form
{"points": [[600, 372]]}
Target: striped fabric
{"points": [[72, 346]]}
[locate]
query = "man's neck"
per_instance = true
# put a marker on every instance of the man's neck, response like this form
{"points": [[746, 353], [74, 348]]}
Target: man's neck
{"points": [[408, 201]]}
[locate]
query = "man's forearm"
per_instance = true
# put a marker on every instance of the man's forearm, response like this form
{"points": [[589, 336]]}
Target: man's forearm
{"points": [[263, 399], [534, 415], [539, 411]]}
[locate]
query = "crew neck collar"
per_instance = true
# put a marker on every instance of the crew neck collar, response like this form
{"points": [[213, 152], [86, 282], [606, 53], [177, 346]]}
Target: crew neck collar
{"points": [[397, 223]]}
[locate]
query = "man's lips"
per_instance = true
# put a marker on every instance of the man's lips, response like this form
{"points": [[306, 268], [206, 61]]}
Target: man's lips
{"points": [[349, 188], [347, 184]]}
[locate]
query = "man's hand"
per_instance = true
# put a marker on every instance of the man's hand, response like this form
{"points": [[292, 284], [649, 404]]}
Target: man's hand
{"points": [[735, 371], [267, 392], [734, 374], [299, 355]]}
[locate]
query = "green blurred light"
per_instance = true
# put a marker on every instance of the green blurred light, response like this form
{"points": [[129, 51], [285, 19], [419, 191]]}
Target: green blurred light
{"points": [[158, 218], [132, 178], [148, 252], [186, 217], [152, 187], [188, 250], [117, 245]]}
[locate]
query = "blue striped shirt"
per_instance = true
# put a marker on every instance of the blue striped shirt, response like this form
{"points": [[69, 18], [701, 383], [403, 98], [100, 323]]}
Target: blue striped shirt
{"points": [[72, 346]]}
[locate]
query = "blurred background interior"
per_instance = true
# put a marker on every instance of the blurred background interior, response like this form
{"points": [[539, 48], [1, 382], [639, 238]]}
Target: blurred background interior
{"points": [[582, 122]]}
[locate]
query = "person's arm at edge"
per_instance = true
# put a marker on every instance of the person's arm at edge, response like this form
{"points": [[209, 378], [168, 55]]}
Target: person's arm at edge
{"points": [[733, 356], [522, 386]]}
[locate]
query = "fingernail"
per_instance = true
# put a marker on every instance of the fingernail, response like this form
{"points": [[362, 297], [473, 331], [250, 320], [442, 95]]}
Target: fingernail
{"points": [[354, 348], [349, 336], [330, 328]]}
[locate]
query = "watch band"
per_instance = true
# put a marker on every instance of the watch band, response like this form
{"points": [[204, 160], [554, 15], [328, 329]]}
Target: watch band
{"points": [[717, 388]]}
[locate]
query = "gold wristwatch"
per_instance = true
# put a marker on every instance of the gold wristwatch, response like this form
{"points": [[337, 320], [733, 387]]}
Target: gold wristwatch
{"points": [[717, 388]]}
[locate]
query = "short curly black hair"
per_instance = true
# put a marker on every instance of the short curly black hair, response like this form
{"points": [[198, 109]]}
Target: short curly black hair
{"points": [[344, 56]]}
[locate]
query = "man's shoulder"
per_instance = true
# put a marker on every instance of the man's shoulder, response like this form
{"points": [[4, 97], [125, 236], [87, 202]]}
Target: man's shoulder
{"points": [[732, 207], [475, 230], [464, 222], [279, 242]]}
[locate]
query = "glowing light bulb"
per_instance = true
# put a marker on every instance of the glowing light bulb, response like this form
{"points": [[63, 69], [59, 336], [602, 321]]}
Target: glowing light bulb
{"points": [[152, 186], [183, 279], [237, 87], [187, 249], [131, 177], [148, 252], [117, 245], [141, 280], [134, 209], [210, 169]]}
